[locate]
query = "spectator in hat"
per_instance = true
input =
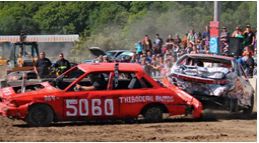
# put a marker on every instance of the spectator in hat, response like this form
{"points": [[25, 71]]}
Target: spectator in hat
{"points": [[249, 36], [139, 47], [224, 34]]}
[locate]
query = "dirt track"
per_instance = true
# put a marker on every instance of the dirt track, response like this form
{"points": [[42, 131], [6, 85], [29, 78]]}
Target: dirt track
{"points": [[216, 127]]}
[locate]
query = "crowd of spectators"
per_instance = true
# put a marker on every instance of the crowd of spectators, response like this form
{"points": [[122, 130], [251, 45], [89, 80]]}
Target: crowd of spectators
{"points": [[159, 56]]}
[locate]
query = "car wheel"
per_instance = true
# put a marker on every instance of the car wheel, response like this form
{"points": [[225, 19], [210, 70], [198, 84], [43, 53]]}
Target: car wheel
{"points": [[153, 114], [40, 115], [247, 112]]}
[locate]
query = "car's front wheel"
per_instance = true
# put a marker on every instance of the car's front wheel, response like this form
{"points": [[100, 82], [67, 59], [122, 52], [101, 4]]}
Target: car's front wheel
{"points": [[153, 114], [39, 115]]}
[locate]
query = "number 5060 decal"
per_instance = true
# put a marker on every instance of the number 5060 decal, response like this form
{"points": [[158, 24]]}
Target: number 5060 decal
{"points": [[81, 107]]}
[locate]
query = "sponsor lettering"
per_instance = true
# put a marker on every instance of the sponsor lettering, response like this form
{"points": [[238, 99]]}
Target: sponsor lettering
{"points": [[141, 99]]}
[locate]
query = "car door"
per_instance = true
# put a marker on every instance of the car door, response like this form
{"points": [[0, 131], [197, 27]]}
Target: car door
{"points": [[131, 94], [82, 105]]}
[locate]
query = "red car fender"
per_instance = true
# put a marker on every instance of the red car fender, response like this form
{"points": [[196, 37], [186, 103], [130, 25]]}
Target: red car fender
{"points": [[190, 100], [23, 110]]}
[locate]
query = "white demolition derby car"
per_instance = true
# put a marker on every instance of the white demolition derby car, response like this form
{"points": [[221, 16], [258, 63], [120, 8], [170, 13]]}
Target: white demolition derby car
{"points": [[219, 82]]}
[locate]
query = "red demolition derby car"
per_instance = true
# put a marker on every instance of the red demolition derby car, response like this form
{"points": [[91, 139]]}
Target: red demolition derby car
{"points": [[117, 91]]}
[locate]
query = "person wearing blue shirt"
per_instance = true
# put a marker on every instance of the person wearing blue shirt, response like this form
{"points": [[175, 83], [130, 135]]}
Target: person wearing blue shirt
{"points": [[206, 33], [139, 47]]}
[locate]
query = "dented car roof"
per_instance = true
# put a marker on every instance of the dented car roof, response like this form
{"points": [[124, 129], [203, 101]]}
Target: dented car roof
{"points": [[93, 67]]}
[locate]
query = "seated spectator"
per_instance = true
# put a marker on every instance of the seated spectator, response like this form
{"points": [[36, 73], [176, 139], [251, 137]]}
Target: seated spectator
{"points": [[188, 50], [207, 41], [149, 55], [123, 60], [137, 60], [247, 50]]}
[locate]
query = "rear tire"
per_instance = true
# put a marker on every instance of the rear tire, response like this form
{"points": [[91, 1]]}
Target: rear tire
{"points": [[40, 115], [153, 114], [247, 112]]}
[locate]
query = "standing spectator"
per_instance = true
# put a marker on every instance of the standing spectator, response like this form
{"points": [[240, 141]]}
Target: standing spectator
{"points": [[177, 41], [42, 66], [139, 47], [62, 64], [192, 37], [184, 41], [158, 44], [147, 44], [249, 37], [205, 34], [154, 64], [157, 49], [224, 34], [249, 65], [237, 32], [169, 42]]}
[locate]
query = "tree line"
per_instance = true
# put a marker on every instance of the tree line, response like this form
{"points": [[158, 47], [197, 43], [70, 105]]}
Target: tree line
{"points": [[119, 24]]}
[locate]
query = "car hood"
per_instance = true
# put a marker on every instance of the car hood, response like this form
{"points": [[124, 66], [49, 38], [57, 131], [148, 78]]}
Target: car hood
{"points": [[31, 90], [96, 51]]}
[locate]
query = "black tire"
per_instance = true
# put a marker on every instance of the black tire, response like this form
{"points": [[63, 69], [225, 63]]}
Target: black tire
{"points": [[40, 115], [153, 114], [247, 112]]}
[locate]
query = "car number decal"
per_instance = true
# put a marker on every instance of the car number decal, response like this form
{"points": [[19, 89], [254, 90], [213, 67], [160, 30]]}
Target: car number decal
{"points": [[82, 107]]}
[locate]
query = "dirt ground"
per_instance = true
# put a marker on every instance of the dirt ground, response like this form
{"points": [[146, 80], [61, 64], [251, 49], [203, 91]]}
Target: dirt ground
{"points": [[215, 126]]}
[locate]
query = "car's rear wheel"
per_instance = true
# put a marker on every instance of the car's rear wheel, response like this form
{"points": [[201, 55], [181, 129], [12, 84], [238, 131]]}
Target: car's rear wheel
{"points": [[153, 114], [247, 112], [39, 115]]}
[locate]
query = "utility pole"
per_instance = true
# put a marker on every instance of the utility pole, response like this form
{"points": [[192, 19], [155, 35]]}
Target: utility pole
{"points": [[217, 13]]}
